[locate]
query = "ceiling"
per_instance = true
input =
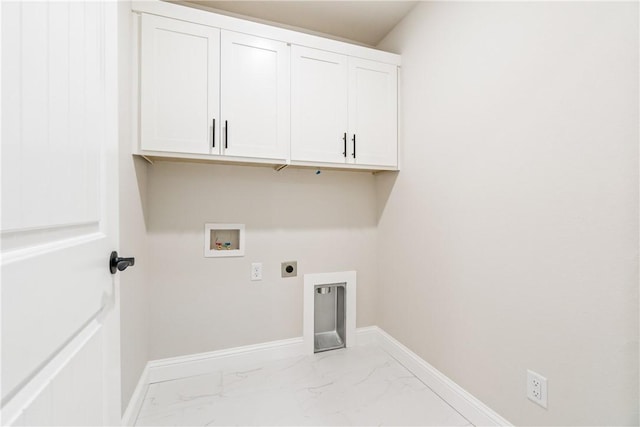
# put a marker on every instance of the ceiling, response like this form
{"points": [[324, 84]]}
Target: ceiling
{"points": [[365, 22]]}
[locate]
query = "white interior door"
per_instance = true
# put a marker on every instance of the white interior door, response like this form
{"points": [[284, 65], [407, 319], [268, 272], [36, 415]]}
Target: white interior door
{"points": [[180, 86], [254, 96], [60, 331], [373, 113], [318, 105]]}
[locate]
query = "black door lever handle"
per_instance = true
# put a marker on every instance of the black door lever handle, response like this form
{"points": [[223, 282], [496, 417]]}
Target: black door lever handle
{"points": [[119, 264]]}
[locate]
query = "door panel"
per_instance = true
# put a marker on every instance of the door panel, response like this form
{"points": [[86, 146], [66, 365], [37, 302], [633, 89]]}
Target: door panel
{"points": [[373, 110], [180, 77], [38, 314], [52, 122], [59, 203], [255, 96], [319, 99]]}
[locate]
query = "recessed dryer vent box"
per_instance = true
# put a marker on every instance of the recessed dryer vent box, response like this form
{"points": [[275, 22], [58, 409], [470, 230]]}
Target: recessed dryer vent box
{"points": [[223, 240]]}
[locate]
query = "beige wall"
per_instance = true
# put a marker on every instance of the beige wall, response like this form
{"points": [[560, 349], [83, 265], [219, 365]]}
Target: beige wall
{"points": [[326, 222], [515, 215], [134, 283]]}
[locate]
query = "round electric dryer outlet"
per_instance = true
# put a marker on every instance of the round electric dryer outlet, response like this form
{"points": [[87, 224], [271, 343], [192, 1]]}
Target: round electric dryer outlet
{"points": [[289, 269]]}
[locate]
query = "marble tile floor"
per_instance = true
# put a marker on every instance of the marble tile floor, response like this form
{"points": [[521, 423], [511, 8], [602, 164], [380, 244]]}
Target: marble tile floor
{"points": [[357, 386]]}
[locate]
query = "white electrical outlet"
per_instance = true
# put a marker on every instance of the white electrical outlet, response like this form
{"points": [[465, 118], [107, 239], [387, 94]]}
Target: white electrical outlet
{"points": [[537, 388], [256, 271]]}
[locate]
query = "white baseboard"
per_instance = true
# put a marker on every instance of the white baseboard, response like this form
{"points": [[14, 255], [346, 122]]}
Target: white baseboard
{"points": [[464, 402], [137, 398], [197, 364], [201, 363], [367, 335]]}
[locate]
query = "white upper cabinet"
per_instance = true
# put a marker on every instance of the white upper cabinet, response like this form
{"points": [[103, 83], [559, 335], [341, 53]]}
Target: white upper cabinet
{"points": [[254, 96], [319, 105], [179, 86], [373, 113], [223, 89], [344, 109]]}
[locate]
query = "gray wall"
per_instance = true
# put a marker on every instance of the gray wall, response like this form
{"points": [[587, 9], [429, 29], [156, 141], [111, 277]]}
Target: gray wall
{"points": [[325, 222], [134, 283], [516, 210]]}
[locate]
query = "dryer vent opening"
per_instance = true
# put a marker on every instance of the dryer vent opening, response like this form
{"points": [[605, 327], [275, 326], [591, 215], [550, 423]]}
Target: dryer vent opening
{"points": [[329, 317]]}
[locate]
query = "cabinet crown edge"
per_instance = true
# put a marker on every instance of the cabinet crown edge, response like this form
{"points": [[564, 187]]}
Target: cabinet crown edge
{"points": [[212, 19]]}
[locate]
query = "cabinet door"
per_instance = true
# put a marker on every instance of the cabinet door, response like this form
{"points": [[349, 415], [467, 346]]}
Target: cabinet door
{"points": [[319, 112], [255, 96], [373, 113], [179, 85]]}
